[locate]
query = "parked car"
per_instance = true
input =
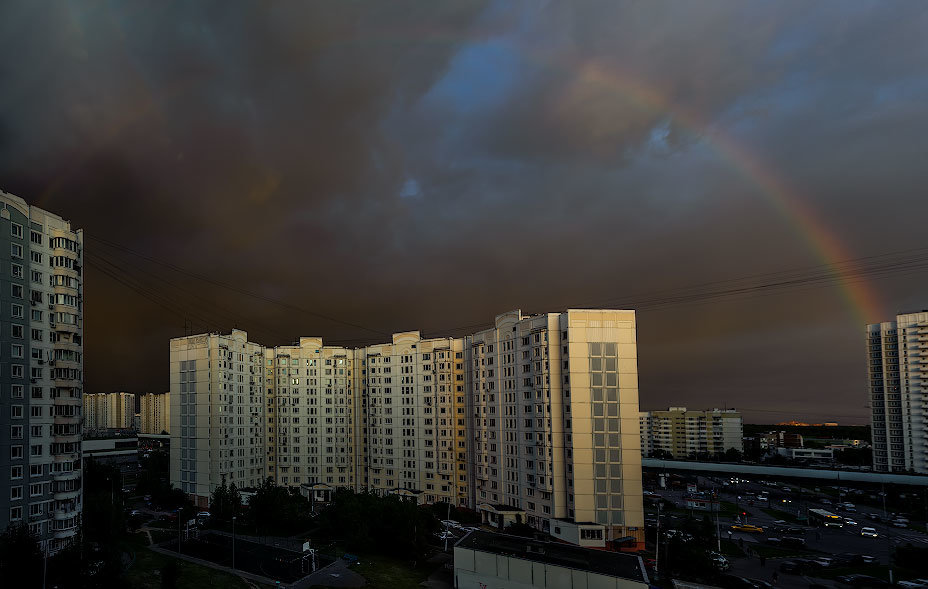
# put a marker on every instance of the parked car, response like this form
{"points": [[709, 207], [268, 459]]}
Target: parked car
{"points": [[823, 561], [914, 584], [826, 501], [450, 523], [793, 541], [796, 566], [862, 581], [445, 536], [871, 532], [721, 563]]}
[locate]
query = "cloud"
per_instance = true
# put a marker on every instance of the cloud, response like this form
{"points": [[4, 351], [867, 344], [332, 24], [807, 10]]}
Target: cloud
{"points": [[569, 152]]}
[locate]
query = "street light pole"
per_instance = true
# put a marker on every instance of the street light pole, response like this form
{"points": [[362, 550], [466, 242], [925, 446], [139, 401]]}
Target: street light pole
{"points": [[233, 542]]}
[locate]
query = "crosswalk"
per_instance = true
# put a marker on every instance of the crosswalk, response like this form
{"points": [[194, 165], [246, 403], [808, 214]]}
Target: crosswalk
{"points": [[913, 538]]}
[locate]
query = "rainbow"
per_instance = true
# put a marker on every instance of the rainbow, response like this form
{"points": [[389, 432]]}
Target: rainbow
{"points": [[860, 297]]}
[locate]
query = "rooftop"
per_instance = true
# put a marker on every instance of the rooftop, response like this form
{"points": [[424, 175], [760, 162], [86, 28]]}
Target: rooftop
{"points": [[615, 564]]}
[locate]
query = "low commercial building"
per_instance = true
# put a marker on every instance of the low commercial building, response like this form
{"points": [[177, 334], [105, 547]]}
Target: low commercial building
{"points": [[680, 433], [807, 453], [483, 560]]}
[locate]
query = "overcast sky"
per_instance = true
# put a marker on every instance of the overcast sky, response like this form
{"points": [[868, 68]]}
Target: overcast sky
{"points": [[369, 167]]}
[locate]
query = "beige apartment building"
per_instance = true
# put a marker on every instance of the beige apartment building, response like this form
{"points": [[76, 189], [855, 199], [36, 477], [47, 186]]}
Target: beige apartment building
{"points": [[511, 421], [682, 433], [218, 413], [155, 413], [108, 411]]}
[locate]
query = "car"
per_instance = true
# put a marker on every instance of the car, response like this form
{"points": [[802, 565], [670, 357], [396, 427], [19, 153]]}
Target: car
{"points": [[450, 523], [900, 524], [914, 584], [826, 501], [147, 498], [203, 514], [135, 512], [871, 532], [721, 563], [862, 581], [823, 561], [875, 517], [748, 528], [470, 529], [793, 541], [849, 522], [445, 536]]}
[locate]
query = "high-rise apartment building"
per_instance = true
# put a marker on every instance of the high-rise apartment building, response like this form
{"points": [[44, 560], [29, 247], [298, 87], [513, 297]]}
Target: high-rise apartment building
{"points": [[534, 420], [41, 371], [217, 413], [682, 433], [104, 411], [155, 413], [898, 383]]}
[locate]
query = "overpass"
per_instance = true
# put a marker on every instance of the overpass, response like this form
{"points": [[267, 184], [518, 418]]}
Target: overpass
{"points": [[846, 476]]}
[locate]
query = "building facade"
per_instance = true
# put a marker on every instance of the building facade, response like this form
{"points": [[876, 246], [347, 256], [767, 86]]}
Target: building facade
{"points": [[682, 433], [108, 411], [41, 371], [536, 417], [155, 413], [898, 385]]}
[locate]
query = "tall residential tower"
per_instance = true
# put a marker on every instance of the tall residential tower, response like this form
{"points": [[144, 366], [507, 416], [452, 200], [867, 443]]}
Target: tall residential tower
{"points": [[41, 371], [898, 382]]}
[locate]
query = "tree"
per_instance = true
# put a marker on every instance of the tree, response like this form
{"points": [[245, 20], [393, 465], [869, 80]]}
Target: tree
{"points": [[731, 455], [20, 557], [520, 529]]}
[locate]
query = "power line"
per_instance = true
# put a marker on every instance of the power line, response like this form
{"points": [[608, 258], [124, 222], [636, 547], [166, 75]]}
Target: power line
{"points": [[232, 287]]}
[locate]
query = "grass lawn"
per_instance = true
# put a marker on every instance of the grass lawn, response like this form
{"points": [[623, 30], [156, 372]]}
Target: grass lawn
{"points": [[387, 573], [145, 572]]}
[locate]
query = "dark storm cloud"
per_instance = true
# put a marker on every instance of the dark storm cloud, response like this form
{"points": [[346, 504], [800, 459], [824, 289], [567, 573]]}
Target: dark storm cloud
{"points": [[407, 165]]}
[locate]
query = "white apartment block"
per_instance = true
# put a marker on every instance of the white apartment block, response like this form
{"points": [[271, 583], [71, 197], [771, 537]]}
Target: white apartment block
{"points": [[218, 413], [41, 371], [511, 421], [155, 413], [898, 386], [683, 433], [108, 411]]}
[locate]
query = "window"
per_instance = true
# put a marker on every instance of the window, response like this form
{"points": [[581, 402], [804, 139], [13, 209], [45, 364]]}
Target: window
{"points": [[16, 290], [17, 311], [16, 351], [35, 470], [16, 391], [36, 277], [35, 450], [16, 370], [35, 237], [36, 315], [36, 411], [16, 230], [35, 489], [16, 472], [16, 250], [16, 452], [16, 270], [36, 256], [36, 335], [16, 331], [16, 432], [16, 493]]}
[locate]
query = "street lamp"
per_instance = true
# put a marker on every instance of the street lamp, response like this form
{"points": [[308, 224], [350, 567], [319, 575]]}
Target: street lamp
{"points": [[233, 542]]}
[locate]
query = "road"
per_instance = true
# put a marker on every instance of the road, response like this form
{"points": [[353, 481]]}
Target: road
{"points": [[795, 501]]}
